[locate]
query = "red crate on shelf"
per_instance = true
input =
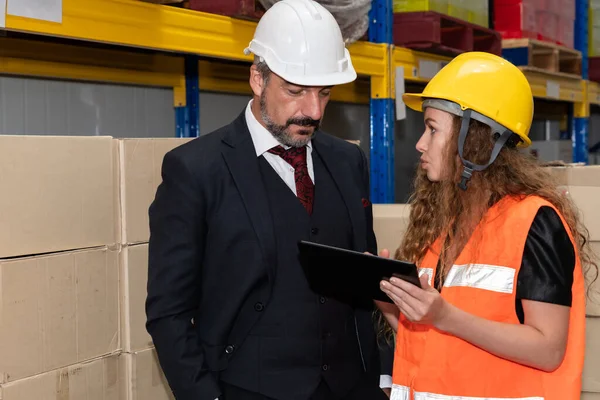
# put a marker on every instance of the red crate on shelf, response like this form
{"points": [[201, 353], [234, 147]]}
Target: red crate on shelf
{"points": [[441, 34], [505, 3], [516, 20], [246, 9]]}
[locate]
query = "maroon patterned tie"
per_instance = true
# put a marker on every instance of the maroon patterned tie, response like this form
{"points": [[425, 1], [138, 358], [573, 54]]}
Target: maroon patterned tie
{"points": [[296, 157]]}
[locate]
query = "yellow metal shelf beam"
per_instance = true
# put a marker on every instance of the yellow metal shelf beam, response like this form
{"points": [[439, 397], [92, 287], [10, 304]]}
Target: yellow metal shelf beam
{"points": [[594, 93], [549, 87], [418, 66], [58, 61], [20, 57], [134, 23]]}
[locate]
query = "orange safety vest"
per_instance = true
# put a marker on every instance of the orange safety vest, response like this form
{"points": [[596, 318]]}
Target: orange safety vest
{"points": [[432, 365]]}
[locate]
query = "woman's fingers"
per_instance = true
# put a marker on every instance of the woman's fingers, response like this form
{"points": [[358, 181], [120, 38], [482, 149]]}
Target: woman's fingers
{"points": [[398, 297]]}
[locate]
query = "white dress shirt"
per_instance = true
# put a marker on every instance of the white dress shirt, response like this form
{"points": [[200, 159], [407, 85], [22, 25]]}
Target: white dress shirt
{"points": [[264, 141]]}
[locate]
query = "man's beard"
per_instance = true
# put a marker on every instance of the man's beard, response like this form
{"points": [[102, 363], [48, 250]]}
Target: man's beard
{"points": [[281, 132]]}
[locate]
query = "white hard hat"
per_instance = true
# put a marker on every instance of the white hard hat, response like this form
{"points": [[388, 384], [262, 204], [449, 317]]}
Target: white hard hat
{"points": [[301, 41]]}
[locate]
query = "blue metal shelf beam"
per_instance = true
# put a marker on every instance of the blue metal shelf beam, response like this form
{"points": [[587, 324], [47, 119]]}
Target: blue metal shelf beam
{"points": [[581, 115], [187, 118], [382, 111]]}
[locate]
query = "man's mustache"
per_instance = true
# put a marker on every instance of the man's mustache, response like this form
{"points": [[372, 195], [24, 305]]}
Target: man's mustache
{"points": [[304, 122]]}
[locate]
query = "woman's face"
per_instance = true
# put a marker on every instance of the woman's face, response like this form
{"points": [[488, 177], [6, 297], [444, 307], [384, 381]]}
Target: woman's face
{"points": [[433, 142]]}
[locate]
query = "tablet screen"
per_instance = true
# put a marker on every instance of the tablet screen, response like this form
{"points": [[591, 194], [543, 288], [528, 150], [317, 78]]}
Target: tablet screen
{"points": [[350, 275]]}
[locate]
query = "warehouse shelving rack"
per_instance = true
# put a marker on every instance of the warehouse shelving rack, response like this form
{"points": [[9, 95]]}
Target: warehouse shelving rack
{"points": [[134, 42]]}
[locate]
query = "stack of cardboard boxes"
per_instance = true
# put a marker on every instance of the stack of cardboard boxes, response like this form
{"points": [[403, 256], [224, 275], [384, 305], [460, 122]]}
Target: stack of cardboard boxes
{"points": [[139, 162], [59, 311], [73, 268], [583, 186]]}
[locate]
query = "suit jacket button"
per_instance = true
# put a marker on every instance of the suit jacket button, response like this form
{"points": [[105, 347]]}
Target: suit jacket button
{"points": [[259, 307], [229, 349]]}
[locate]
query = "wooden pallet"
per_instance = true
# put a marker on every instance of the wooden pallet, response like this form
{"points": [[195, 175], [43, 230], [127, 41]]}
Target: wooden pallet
{"points": [[441, 34], [545, 57]]}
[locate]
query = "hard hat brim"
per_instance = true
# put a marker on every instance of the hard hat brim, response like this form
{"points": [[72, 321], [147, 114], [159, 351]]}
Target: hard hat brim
{"points": [[414, 101], [338, 78]]}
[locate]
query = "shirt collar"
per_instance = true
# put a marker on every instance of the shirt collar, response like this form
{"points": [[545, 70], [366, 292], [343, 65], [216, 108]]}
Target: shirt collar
{"points": [[262, 139]]}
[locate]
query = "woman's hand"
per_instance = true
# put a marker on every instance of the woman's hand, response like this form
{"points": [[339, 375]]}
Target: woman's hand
{"points": [[420, 305]]}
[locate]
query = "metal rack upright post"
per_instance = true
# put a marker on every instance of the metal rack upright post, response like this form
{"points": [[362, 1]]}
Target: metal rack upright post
{"points": [[382, 109]]}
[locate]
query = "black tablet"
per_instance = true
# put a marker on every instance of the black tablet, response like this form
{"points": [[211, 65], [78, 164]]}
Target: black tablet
{"points": [[351, 275]]}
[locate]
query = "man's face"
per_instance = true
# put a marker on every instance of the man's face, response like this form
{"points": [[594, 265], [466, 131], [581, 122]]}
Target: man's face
{"points": [[290, 112]]}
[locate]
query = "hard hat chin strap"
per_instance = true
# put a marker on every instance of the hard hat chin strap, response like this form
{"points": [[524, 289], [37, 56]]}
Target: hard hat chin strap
{"points": [[469, 167]]}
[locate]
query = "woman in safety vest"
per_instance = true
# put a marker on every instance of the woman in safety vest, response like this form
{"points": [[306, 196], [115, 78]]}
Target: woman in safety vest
{"points": [[501, 309]]}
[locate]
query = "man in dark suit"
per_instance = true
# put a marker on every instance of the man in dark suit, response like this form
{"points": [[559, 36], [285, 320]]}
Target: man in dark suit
{"points": [[229, 309]]}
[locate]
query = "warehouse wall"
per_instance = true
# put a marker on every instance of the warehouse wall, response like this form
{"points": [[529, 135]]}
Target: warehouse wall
{"points": [[49, 107]]}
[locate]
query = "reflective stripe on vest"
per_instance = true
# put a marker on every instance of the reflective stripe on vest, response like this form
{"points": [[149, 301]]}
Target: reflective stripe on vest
{"points": [[481, 276], [400, 392]]}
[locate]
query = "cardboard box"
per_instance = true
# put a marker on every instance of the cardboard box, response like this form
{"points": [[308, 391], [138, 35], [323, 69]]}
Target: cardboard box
{"points": [[57, 310], [144, 378], [140, 163], [591, 369], [57, 194], [98, 379], [583, 185], [134, 278], [593, 299], [389, 223], [590, 396]]}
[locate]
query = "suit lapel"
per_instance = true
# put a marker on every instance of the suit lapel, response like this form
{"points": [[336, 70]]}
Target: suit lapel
{"points": [[240, 157], [339, 170]]}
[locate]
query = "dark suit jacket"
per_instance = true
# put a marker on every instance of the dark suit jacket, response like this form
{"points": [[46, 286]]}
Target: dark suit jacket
{"points": [[212, 252]]}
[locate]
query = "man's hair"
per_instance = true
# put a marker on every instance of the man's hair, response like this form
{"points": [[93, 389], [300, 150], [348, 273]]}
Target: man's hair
{"points": [[262, 68]]}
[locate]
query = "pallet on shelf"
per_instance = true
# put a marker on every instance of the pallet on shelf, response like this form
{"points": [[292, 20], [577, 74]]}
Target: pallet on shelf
{"points": [[538, 56], [244, 9], [441, 34]]}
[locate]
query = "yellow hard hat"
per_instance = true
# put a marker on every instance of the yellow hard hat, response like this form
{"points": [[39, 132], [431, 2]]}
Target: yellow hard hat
{"points": [[486, 84]]}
